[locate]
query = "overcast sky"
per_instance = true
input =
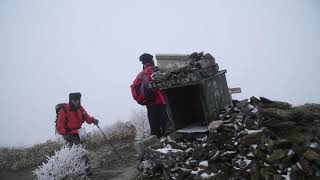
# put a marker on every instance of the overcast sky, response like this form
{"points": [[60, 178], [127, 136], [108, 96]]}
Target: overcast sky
{"points": [[50, 48]]}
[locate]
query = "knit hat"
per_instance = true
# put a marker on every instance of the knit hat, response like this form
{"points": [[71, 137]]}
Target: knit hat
{"points": [[146, 58], [75, 96]]}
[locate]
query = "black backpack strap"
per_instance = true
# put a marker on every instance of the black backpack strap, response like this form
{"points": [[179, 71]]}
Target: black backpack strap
{"points": [[65, 118]]}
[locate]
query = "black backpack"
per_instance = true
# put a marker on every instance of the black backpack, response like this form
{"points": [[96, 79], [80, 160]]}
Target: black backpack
{"points": [[146, 91], [58, 107]]}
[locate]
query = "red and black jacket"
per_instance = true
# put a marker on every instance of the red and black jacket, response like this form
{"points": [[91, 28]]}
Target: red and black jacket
{"points": [[70, 121]]}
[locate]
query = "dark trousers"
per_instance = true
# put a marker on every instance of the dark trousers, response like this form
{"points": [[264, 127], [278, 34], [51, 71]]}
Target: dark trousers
{"points": [[158, 119], [72, 139]]}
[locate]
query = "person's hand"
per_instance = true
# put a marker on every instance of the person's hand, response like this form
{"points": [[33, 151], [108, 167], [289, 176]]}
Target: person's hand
{"points": [[95, 121]]}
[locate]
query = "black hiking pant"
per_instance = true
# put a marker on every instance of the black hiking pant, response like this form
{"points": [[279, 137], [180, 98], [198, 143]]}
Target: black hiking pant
{"points": [[158, 119], [72, 139]]}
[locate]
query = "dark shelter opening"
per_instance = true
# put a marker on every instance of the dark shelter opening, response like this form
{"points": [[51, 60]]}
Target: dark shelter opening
{"points": [[186, 106]]}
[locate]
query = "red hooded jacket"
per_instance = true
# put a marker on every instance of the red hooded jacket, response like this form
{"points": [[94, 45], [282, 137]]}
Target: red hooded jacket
{"points": [[159, 97], [71, 121]]}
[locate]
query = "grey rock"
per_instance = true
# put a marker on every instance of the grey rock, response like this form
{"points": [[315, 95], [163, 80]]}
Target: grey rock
{"points": [[277, 155], [151, 141], [214, 125]]}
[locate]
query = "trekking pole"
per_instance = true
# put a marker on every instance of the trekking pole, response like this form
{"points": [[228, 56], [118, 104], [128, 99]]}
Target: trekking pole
{"points": [[114, 149]]}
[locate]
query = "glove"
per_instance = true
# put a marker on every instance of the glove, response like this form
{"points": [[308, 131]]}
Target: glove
{"points": [[95, 121]]}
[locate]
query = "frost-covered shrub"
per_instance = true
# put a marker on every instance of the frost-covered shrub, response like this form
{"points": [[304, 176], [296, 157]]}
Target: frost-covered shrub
{"points": [[140, 120], [67, 162]]}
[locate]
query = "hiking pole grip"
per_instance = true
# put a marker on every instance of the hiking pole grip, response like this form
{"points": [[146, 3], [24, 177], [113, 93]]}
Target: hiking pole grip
{"points": [[106, 138]]}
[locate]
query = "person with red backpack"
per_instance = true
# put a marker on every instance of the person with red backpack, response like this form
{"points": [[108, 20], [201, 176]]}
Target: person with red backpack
{"points": [[70, 118], [153, 99]]}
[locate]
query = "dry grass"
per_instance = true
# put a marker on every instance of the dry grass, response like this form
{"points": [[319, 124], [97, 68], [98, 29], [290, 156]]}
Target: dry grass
{"points": [[13, 159], [119, 132], [312, 107]]}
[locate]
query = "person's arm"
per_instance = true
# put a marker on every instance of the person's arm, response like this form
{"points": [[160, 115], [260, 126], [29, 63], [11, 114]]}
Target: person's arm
{"points": [[61, 122], [89, 119]]}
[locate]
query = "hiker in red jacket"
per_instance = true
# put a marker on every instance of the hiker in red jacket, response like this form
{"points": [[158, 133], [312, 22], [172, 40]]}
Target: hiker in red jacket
{"points": [[152, 98], [71, 117]]}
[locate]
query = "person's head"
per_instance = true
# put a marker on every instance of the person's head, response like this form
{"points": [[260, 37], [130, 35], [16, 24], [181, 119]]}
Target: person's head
{"points": [[74, 99], [146, 59]]}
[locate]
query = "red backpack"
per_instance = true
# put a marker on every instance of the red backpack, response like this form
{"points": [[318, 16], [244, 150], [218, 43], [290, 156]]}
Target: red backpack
{"points": [[140, 91]]}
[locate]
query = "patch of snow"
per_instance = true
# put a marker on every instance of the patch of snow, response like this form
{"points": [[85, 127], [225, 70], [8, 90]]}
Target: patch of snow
{"points": [[287, 177], [168, 150], [185, 169], [298, 164], [188, 160], [266, 164], [254, 110], [216, 154], [314, 145], [235, 127], [279, 171], [248, 161], [203, 163], [236, 168], [252, 131], [229, 152], [250, 154], [196, 172], [204, 139], [188, 150], [207, 176], [194, 129], [290, 152], [254, 146], [163, 139], [170, 139], [250, 107]]}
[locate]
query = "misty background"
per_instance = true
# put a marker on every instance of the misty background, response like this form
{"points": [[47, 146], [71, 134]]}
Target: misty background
{"points": [[51, 48]]}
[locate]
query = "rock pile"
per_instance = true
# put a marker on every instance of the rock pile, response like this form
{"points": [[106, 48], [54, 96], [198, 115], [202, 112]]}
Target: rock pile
{"points": [[205, 63], [254, 139]]}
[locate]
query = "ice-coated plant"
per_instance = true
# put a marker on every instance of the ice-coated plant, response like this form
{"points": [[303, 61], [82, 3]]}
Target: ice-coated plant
{"points": [[67, 162], [139, 119]]}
